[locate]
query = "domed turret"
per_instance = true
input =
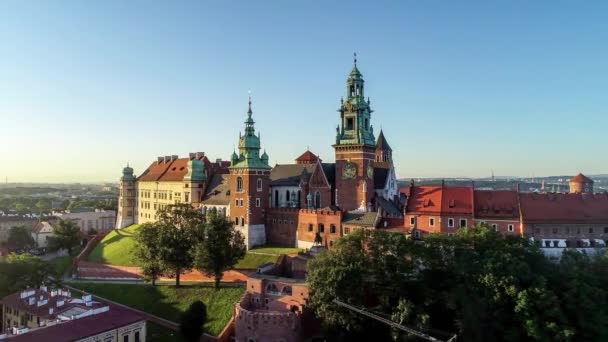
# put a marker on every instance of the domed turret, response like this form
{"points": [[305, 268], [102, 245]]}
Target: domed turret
{"points": [[127, 174], [234, 158], [264, 157]]}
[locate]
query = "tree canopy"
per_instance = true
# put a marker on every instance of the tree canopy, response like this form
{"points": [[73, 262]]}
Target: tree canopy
{"points": [[478, 284], [66, 235], [191, 324], [19, 238], [22, 271], [222, 247], [147, 251]]}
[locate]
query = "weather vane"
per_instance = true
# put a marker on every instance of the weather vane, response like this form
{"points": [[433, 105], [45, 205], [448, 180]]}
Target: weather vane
{"points": [[355, 57]]}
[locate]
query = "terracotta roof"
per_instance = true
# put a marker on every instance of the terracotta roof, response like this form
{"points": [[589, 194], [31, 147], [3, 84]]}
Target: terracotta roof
{"points": [[496, 204], [382, 144], [40, 226], [564, 208], [581, 178], [437, 199], [360, 218], [169, 171], [218, 192], [307, 157], [81, 328]]}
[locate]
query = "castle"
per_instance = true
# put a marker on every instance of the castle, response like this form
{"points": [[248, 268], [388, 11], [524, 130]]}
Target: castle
{"points": [[311, 202]]}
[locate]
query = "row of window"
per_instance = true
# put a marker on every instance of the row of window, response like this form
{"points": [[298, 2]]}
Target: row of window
{"points": [[241, 221], [321, 228], [239, 184], [239, 202], [567, 230], [462, 223]]}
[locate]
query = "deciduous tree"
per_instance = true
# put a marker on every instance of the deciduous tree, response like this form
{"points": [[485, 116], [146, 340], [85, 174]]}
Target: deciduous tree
{"points": [[19, 238], [222, 247], [191, 324], [66, 235], [147, 251]]}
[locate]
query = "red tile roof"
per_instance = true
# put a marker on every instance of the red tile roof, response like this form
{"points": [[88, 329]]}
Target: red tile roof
{"points": [[81, 328], [307, 158], [15, 301], [170, 171], [564, 208], [439, 200], [581, 178], [496, 204]]}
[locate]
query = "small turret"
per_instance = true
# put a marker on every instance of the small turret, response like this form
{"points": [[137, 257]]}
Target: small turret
{"points": [[264, 157], [234, 158]]}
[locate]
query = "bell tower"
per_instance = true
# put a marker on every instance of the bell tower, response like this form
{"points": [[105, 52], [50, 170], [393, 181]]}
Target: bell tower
{"points": [[355, 147], [127, 205], [249, 185]]}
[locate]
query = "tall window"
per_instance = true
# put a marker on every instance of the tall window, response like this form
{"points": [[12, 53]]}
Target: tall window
{"points": [[463, 223], [511, 228], [258, 202], [239, 184], [242, 221], [259, 184], [432, 221], [276, 198], [321, 228], [450, 222], [412, 220], [332, 228], [317, 200]]}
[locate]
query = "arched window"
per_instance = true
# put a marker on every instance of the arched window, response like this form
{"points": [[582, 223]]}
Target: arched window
{"points": [[287, 197], [259, 184], [242, 221], [239, 184], [286, 290], [276, 198], [293, 199], [317, 200], [332, 228], [272, 289]]}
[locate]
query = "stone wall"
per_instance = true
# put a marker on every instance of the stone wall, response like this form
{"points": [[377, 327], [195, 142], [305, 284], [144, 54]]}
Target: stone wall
{"points": [[281, 226], [258, 325]]}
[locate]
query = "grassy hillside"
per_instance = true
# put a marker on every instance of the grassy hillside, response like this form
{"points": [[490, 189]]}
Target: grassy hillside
{"points": [[116, 248], [170, 302]]}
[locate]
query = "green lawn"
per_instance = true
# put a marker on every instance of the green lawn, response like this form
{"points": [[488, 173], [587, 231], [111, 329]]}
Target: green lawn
{"points": [[170, 302], [116, 248], [276, 250], [157, 333], [61, 264], [252, 261]]}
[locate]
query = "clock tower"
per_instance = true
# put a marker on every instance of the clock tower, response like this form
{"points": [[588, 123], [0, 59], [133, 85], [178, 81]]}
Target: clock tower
{"points": [[355, 147]]}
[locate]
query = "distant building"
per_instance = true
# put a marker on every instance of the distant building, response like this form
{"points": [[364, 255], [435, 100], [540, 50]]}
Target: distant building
{"points": [[41, 233], [92, 219], [581, 184], [53, 315], [8, 222]]}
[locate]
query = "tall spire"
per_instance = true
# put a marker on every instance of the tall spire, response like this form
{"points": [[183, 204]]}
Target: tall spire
{"points": [[355, 58], [249, 123]]}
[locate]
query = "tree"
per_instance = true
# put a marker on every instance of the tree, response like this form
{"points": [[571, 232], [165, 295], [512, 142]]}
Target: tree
{"points": [[43, 205], [19, 238], [147, 251], [180, 227], [192, 321], [22, 271], [222, 247], [66, 235]]}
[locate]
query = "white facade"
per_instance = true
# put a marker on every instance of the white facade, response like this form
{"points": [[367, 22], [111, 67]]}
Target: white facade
{"points": [[99, 220], [284, 196], [41, 234]]}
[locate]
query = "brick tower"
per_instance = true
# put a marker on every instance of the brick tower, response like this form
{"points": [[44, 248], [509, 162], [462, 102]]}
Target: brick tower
{"points": [[355, 147], [249, 186], [127, 214]]}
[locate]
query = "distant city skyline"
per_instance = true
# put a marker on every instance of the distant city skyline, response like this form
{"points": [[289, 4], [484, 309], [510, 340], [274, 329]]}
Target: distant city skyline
{"points": [[459, 88]]}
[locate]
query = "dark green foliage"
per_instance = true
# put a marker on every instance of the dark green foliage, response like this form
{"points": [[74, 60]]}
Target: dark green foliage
{"points": [[147, 251], [22, 271], [191, 323], [19, 238], [222, 247], [478, 284], [66, 235], [170, 243]]}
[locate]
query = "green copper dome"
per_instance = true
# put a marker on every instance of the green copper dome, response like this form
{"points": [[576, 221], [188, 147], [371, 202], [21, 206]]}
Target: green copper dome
{"points": [[196, 171]]}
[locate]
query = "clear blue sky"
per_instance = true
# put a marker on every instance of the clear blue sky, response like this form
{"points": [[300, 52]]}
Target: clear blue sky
{"points": [[459, 87]]}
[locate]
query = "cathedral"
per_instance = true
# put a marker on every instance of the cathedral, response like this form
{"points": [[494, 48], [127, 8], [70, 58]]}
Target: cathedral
{"points": [[313, 203], [306, 203]]}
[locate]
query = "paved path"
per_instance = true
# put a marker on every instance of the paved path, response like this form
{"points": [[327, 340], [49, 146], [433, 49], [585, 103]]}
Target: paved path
{"points": [[93, 271]]}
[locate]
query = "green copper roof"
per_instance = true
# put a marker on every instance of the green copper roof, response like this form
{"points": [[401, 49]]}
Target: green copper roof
{"points": [[196, 171], [249, 148]]}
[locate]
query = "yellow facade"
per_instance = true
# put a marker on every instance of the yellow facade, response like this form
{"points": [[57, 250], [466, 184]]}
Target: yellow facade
{"points": [[16, 318], [153, 196]]}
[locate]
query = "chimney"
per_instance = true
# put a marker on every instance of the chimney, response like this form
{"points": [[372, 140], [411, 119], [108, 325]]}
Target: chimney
{"points": [[200, 155], [174, 157], [60, 303], [218, 160], [159, 160], [167, 159], [191, 155], [51, 310]]}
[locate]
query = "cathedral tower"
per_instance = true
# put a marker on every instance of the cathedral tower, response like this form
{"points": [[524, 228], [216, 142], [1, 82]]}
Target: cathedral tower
{"points": [[126, 199], [249, 186], [355, 147]]}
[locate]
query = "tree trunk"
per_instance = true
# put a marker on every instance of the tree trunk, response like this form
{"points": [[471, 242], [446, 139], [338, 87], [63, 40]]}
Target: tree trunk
{"points": [[177, 274], [153, 281], [217, 281]]}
